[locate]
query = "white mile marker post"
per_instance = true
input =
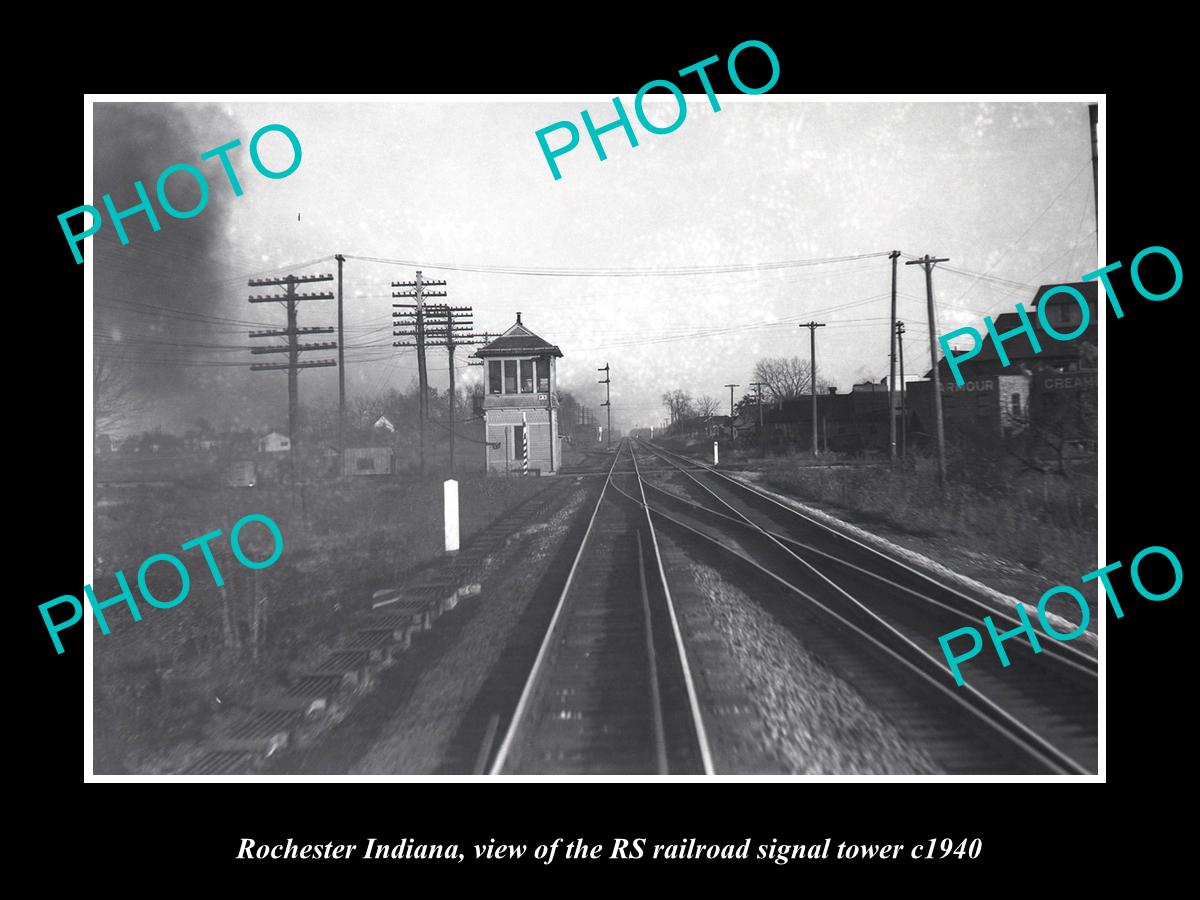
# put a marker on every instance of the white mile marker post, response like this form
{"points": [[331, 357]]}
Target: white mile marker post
{"points": [[450, 504], [715, 454]]}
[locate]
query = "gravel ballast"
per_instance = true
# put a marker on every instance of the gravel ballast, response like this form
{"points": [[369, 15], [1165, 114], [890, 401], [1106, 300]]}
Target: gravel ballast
{"points": [[811, 721]]}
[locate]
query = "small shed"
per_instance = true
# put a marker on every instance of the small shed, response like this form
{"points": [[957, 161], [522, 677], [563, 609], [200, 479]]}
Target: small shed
{"points": [[274, 443], [361, 461]]}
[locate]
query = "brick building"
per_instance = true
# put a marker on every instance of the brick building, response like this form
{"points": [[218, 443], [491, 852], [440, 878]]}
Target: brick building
{"points": [[1053, 388]]}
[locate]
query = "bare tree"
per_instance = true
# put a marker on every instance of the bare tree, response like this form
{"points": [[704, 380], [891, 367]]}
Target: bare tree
{"points": [[114, 400], [679, 404], [668, 400], [783, 377], [1063, 427], [363, 411], [708, 406], [321, 421]]}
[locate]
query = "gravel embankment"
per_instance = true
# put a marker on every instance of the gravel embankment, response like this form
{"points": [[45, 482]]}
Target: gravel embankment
{"points": [[812, 721]]}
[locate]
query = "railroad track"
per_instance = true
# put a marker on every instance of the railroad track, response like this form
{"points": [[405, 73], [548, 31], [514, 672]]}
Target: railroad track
{"points": [[876, 620], [610, 690], [599, 463]]}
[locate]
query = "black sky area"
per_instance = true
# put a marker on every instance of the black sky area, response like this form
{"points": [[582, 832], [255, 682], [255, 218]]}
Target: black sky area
{"points": [[170, 309]]}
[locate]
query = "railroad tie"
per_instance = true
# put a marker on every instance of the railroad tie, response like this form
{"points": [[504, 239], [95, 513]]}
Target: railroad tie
{"points": [[354, 667], [219, 762], [263, 733], [380, 643]]}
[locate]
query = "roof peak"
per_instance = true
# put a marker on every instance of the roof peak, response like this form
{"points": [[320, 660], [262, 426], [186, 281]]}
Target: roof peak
{"points": [[518, 339], [518, 329]]}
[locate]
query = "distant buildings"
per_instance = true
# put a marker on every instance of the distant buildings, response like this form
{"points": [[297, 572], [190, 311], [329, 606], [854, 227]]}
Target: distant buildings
{"points": [[846, 423], [1048, 396]]}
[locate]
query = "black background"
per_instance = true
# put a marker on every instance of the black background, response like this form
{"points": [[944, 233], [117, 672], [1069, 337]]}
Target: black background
{"points": [[188, 834]]}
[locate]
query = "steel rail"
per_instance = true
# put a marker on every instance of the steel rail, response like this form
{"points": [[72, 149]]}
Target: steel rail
{"points": [[1064, 648], [1048, 754], [535, 672], [693, 700], [1052, 650]]}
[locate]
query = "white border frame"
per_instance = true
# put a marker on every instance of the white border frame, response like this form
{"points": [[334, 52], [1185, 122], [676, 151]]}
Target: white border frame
{"points": [[1101, 246]]}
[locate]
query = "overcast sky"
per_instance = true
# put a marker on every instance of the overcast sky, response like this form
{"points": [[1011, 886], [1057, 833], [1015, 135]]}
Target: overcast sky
{"points": [[1003, 190]]}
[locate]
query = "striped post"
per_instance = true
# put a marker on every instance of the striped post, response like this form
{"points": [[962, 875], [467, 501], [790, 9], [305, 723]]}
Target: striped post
{"points": [[524, 445]]}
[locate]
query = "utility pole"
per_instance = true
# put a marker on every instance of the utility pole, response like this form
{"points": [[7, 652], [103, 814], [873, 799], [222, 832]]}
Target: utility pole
{"points": [[1093, 113], [607, 401], [437, 326], [812, 375], [731, 387], [450, 344], [473, 360], [341, 364], [893, 256], [293, 348], [928, 262], [417, 292], [762, 435], [903, 399]]}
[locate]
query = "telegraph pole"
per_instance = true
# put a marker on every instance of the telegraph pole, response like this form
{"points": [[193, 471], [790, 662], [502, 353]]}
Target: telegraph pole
{"points": [[893, 256], [293, 348], [341, 364], [417, 291], [607, 401], [1093, 113], [450, 344], [437, 326], [731, 387], [903, 400], [927, 262], [459, 324], [812, 349], [762, 435]]}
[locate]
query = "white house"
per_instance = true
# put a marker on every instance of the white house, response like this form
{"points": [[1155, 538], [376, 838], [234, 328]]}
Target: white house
{"points": [[274, 443]]}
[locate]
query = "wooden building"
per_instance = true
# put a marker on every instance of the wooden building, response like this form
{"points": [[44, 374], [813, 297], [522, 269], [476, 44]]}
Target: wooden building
{"points": [[520, 403], [359, 461], [274, 443]]}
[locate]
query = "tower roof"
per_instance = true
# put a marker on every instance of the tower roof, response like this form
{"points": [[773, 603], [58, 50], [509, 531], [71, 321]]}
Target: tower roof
{"points": [[518, 341]]}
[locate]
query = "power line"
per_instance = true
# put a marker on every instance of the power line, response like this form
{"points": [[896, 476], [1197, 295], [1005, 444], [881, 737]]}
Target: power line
{"points": [[618, 272], [1049, 206]]}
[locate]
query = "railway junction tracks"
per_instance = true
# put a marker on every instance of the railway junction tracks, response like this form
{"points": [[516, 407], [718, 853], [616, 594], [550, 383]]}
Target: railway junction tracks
{"points": [[612, 688]]}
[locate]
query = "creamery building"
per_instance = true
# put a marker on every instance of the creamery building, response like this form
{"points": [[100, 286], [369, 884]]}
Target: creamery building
{"points": [[520, 403]]}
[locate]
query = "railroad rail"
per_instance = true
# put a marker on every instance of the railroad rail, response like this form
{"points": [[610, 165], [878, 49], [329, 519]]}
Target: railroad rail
{"points": [[610, 690], [876, 619]]}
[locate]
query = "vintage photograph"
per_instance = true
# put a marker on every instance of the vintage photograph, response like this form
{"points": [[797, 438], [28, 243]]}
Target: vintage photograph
{"points": [[427, 444]]}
